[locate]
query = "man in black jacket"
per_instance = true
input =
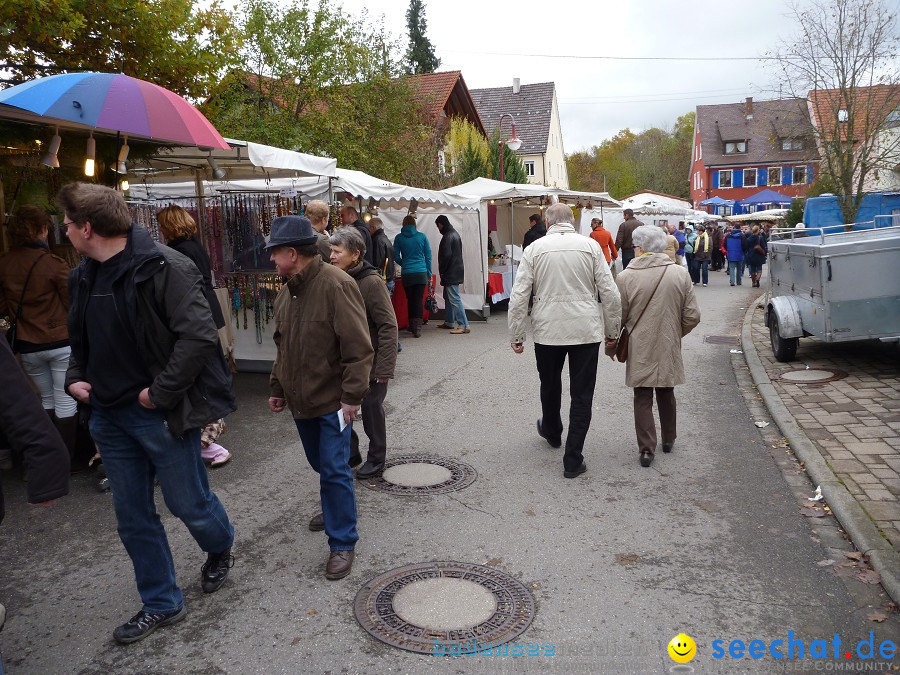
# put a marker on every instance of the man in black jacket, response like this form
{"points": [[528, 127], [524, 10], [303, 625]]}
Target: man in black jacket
{"points": [[451, 269], [535, 232], [146, 357], [350, 217], [383, 253]]}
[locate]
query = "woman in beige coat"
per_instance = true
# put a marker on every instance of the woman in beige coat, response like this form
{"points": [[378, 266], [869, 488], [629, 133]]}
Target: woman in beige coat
{"points": [[658, 308]]}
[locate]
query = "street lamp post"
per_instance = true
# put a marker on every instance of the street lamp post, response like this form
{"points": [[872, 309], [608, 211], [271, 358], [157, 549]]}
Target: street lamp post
{"points": [[513, 142]]}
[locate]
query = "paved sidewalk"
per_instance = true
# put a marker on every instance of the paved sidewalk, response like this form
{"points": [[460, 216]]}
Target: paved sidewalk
{"points": [[852, 421]]}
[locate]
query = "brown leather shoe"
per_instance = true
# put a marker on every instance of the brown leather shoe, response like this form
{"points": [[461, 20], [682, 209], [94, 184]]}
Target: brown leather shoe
{"points": [[339, 564], [317, 523]]}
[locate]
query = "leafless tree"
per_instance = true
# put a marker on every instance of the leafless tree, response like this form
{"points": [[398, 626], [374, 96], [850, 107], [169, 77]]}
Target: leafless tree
{"points": [[843, 60]]}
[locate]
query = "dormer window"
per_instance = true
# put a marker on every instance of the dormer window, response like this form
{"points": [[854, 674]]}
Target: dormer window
{"points": [[735, 147], [791, 144], [843, 115]]}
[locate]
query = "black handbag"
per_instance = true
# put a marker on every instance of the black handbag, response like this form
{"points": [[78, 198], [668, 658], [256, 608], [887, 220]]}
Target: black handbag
{"points": [[11, 332]]}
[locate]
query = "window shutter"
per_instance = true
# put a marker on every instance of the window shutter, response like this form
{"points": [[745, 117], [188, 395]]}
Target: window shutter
{"points": [[809, 174], [762, 176], [787, 175], [715, 178], [737, 178]]}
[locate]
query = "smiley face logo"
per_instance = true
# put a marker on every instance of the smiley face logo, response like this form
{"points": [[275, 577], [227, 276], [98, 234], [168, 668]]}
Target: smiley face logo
{"points": [[682, 648]]}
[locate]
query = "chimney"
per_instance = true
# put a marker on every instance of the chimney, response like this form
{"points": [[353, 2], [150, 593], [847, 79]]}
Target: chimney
{"points": [[516, 86], [749, 108]]}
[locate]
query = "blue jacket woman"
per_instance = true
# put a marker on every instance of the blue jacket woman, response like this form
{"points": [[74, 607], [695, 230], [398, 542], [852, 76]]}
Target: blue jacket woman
{"points": [[734, 246], [413, 253]]}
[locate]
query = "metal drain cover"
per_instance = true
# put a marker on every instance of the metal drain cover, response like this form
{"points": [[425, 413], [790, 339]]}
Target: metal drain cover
{"points": [[444, 608], [811, 375], [722, 339], [421, 474]]}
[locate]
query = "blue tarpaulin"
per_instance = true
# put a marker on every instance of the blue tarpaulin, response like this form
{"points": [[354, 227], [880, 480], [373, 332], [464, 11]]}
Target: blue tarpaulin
{"points": [[825, 211]]}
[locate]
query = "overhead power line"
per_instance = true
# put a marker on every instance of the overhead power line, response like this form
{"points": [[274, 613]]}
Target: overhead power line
{"points": [[668, 93], [617, 58]]}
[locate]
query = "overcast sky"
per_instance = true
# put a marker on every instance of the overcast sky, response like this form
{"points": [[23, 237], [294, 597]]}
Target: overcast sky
{"points": [[597, 98]]}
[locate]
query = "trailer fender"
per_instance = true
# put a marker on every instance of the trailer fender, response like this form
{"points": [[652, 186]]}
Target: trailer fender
{"points": [[787, 313]]}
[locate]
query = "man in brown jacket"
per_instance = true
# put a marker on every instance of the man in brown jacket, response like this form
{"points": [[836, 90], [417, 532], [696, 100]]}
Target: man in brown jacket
{"points": [[623, 236], [321, 373]]}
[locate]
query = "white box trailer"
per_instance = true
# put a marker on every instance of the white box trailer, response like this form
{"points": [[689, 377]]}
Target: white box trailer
{"points": [[837, 284]]}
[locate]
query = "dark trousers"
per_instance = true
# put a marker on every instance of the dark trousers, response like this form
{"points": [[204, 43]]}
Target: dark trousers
{"points": [[693, 270], [373, 423], [582, 377], [627, 256], [644, 426], [415, 296]]}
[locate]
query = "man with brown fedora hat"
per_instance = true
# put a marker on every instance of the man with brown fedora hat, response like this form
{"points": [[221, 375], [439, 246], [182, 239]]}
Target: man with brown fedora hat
{"points": [[321, 373]]}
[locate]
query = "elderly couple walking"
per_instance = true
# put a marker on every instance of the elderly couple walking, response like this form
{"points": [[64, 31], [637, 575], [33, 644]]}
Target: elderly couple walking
{"points": [[577, 305]]}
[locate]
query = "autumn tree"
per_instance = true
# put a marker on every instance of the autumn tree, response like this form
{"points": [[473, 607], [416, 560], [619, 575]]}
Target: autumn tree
{"points": [[654, 159], [843, 59], [468, 155], [420, 54], [321, 81], [183, 45]]}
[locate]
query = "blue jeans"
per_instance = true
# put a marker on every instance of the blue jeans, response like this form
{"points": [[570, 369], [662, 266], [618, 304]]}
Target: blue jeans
{"points": [[702, 270], [735, 269], [136, 446], [327, 450], [453, 306]]}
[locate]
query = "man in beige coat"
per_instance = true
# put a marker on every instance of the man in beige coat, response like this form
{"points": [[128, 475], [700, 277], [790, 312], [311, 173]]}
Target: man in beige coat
{"points": [[658, 309], [566, 273]]}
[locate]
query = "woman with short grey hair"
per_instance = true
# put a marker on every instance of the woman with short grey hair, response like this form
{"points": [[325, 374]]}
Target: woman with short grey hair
{"points": [[658, 309], [650, 238], [348, 252]]}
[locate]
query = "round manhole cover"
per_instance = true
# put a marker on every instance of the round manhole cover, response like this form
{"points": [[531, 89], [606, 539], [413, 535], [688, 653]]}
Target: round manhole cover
{"points": [[444, 608], [417, 474], [812, 375], [422, 475]]}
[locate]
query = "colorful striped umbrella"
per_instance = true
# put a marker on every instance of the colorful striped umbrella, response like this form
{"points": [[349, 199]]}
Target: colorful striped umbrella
{"points": [[115, 102]]}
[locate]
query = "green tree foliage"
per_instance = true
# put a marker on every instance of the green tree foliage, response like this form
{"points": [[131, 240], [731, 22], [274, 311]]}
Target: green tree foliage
{"points": [[795, 213], [655, 159], [321, 81], [183, 45], [420, 53], [466, 151]]}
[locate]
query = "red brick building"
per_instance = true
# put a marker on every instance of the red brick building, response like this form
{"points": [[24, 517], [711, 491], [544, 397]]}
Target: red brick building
{"points": [[741, 149]]}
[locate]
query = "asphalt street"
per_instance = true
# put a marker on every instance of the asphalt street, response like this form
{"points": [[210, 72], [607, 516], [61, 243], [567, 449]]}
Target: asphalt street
{"points": [[709, 541]]}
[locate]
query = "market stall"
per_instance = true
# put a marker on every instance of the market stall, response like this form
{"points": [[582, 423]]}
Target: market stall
{"points": [[505, 210], [239, 212]]}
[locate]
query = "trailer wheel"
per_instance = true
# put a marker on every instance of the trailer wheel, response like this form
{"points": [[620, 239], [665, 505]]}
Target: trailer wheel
{"points": [[784, 349]]}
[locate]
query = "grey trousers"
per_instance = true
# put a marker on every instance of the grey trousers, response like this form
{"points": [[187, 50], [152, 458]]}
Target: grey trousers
{"points": [[644, 425], [373, 423]]}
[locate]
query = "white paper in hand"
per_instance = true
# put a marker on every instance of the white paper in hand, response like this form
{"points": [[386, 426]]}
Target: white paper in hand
{"points": [[341, 422]]}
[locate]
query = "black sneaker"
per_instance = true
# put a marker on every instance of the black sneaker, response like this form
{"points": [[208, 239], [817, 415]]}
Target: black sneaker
{"points": [[215, 570], [143, 623]]}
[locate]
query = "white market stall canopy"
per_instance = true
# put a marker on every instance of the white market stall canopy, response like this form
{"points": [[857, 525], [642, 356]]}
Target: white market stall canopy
{"points": [[242, 161], [487, 188], [769, 215], [361, 185]]}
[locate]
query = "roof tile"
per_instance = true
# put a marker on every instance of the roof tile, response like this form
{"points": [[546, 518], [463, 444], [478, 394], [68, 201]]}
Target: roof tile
{"points": [[531, 109]]}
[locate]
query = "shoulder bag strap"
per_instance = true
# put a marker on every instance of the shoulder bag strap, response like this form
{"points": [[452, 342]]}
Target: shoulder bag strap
{"points": [[27, 279], [650, 299]]}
